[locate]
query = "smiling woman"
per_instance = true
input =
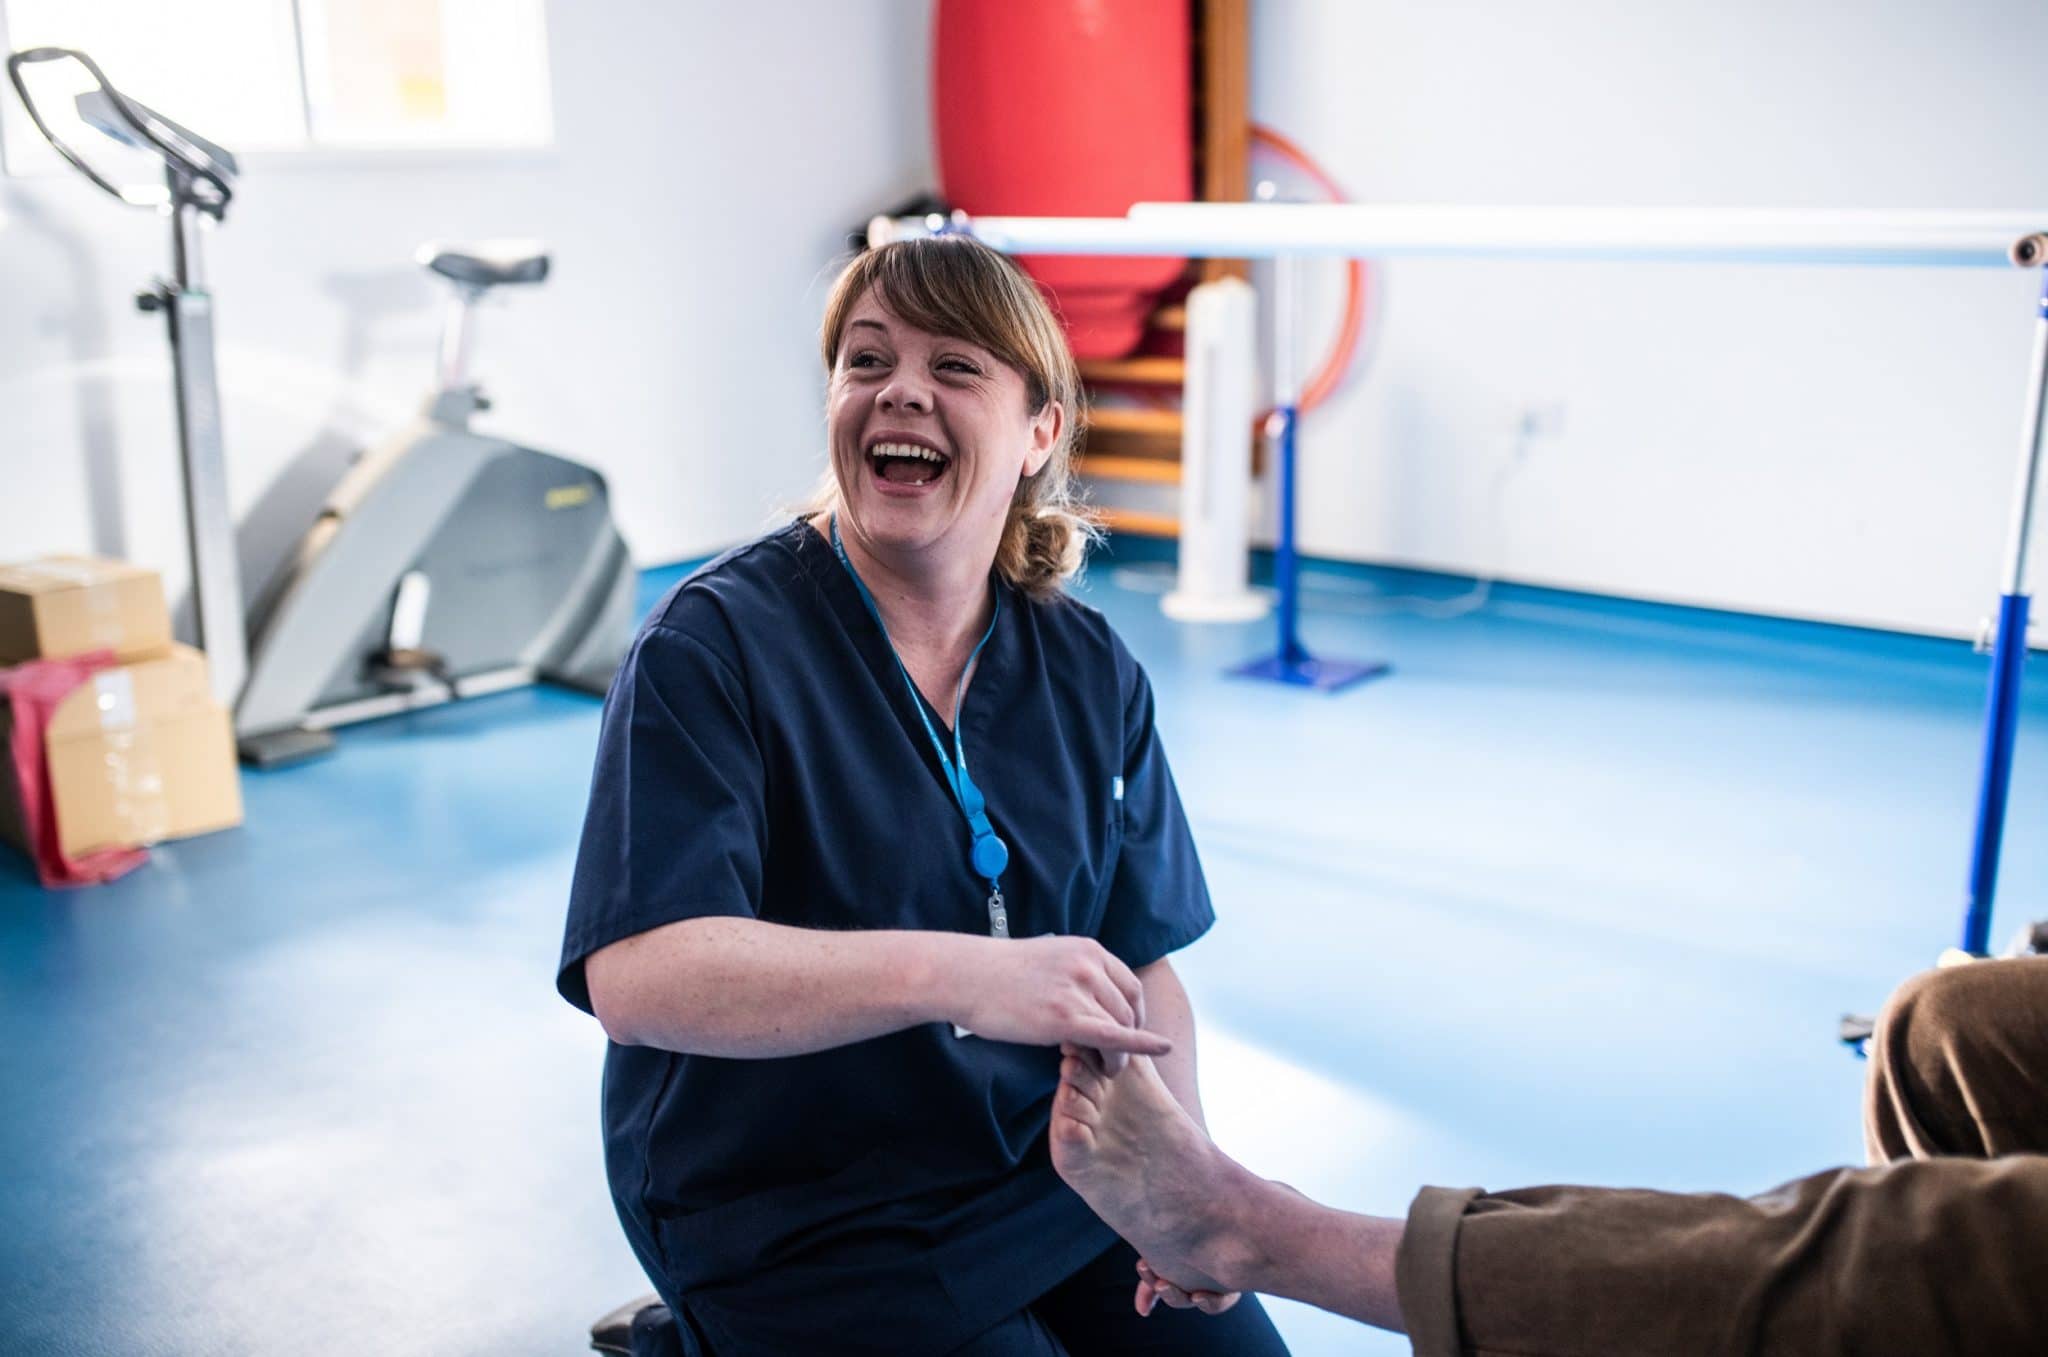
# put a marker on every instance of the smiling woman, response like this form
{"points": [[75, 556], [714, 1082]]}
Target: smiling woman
{"points": [[921, 336], [837, 968]]}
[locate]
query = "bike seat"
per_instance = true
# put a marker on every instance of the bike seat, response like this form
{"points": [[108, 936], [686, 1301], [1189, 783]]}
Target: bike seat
{"points": [[487, 263]]}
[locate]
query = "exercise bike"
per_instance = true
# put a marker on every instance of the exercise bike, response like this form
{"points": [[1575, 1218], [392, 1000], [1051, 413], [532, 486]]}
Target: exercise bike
{"points": [[444, 564]]}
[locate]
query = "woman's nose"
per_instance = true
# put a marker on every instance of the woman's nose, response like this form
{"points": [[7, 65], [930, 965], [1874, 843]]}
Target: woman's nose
{"points": [[904, 393]]}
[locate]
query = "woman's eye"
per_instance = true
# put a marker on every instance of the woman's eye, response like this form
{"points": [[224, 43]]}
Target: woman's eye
{"points": [[959, 365], [864, 360]]}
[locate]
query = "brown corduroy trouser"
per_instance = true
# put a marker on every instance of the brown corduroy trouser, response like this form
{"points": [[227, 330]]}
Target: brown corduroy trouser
{"points": [[1941, 1250]]}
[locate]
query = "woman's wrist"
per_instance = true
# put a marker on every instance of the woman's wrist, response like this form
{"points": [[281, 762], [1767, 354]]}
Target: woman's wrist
{"points": [[938, 978]]}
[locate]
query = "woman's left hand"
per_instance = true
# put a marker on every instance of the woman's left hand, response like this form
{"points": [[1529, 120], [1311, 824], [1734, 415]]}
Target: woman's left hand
{"points": [[1152, 1289]]}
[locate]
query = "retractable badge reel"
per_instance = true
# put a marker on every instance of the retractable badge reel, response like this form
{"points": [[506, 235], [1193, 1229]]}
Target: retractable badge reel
{"points": [[989, 855]]}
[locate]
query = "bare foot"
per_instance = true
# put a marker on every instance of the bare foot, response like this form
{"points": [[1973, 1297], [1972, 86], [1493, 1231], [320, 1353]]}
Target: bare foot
{"points": [[1149, 1171]]}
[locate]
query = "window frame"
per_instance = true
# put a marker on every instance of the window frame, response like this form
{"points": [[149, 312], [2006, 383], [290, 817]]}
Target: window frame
{"points": [[313, 155]]}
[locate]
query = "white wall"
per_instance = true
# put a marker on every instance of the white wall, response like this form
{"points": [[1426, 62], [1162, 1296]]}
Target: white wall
{"points": [[1833, 444], [708, 160]]}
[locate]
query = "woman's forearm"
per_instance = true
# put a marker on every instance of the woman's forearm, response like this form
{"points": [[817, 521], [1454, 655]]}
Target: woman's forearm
{"points": [[748, 989]]}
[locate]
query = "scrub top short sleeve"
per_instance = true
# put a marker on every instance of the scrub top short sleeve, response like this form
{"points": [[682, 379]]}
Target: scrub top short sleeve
{"points": [[677, 825], [1158, 898]]}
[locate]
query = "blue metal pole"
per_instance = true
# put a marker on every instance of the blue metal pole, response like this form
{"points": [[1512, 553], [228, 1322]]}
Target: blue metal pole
{"points": [[2008, 657], [1291, 662], [1286, 565], [1292, 654], [2001, 724]]}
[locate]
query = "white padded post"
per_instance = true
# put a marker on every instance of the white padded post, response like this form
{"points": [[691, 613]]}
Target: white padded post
{"points": [[1215, 459]]}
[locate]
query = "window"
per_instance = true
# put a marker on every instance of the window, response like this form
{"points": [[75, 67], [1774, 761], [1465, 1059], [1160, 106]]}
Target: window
{"points": [[432, 72], [291, 75]]}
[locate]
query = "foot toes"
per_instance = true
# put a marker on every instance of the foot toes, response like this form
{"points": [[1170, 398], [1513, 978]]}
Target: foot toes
{"points": [[1079, 1073], [1074, 1102]]}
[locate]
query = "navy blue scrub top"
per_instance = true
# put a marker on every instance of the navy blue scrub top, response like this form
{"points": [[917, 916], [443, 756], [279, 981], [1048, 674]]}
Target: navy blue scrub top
{"points": [[761, 758]]}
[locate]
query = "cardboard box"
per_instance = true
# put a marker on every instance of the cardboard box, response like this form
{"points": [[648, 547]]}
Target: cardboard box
{"points": [[61, 606], [138, 754]]}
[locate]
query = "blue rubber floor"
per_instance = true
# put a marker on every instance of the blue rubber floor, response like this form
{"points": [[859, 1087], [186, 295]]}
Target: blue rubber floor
{"points": [[1577, 894]]}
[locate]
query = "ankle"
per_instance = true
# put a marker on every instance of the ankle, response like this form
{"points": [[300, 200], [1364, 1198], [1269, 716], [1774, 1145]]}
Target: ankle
{"points": [[1237, 1251]]}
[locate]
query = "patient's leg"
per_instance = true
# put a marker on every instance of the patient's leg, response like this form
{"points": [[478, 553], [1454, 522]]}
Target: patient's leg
{"points": [[1202, 1220], [1149, 1171], [1959, 1064]]}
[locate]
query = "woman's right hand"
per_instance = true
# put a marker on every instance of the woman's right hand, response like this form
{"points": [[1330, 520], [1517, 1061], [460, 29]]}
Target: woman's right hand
{"points": [[1052, 990]]}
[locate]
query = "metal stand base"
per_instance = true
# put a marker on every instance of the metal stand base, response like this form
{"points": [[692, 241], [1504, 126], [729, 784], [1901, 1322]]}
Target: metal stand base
{"points": [[283, 748], [1290, 661], [1325, 676]]}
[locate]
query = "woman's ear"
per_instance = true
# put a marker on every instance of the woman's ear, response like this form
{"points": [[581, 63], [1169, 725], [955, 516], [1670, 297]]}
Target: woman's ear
{"points": [[1048, 427]]}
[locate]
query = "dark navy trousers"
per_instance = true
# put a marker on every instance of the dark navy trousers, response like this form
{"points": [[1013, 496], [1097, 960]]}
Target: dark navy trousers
{"points": [[1090, 1315]]}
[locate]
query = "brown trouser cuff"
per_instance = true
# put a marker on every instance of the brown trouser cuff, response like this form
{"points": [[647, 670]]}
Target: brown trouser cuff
{"points": [[1426, 1270]]}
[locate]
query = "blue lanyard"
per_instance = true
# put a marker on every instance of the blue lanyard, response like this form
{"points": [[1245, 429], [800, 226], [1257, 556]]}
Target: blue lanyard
{"points": [[986, 851]]}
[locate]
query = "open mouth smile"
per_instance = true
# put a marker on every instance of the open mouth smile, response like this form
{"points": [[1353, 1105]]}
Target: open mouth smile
{"points": [[897, 462]]}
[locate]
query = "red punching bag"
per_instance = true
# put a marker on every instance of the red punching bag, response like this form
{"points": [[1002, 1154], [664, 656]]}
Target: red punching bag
{"points": [[1069, 108]]}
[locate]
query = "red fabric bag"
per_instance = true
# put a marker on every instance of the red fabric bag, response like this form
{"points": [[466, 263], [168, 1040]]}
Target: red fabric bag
{"points": [[34, 691]]}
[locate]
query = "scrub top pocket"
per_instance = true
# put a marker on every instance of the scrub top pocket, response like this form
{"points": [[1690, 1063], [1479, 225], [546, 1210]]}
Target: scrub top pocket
{"points": [[1112, 853]]}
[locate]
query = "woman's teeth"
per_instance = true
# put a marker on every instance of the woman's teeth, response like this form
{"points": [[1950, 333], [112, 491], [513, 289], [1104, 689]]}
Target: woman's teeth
{"points": [[917, 450], [907, 463]]}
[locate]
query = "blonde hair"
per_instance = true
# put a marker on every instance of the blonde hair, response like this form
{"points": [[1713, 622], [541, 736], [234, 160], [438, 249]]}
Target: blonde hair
{"points": [[951, 285]]}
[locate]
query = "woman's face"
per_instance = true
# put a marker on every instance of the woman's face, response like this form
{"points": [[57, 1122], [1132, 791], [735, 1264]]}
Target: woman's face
{"points": [[929, 437]]}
